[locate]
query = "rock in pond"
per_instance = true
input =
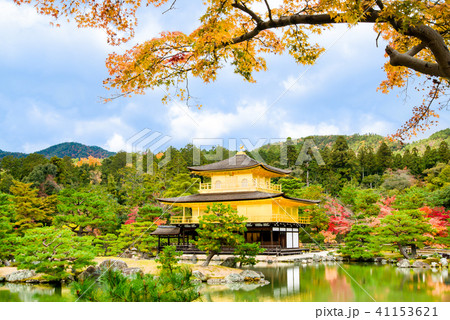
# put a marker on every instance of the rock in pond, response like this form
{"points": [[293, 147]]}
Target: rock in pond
{"points": [[113, 264], [234, 277], [420, 264], [229, 262], [20, 275], [199, 275], [250, 275], [404, 263], [90, 272], [216, 281], [194, 259]]}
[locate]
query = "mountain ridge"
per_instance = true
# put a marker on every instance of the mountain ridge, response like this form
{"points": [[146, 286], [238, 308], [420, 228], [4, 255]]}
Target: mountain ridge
{"points": [[70, 149], [79, 150]]}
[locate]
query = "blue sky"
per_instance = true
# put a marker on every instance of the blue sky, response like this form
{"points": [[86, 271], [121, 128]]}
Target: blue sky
{"points": [[51, 84]]}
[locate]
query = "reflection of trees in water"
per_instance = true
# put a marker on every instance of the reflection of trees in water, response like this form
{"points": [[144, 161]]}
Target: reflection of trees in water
{"points": [[341, 290], [29, 292], [295, 282]]}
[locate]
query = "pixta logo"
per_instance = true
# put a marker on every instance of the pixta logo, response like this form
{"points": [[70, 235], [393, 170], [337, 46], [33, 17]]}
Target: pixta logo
{"points": [[146, 142]]}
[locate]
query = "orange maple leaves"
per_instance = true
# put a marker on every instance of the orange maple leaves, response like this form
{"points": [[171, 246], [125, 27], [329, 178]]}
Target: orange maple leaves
{"points": [[240, 33]]}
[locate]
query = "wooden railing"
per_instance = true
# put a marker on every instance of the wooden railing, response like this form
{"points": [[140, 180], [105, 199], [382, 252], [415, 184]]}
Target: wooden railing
{"points": [[256, 218], [253, 185]]}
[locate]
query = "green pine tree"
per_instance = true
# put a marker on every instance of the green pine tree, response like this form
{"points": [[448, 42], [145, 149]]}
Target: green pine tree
{"points": [[58, 253], [220, 226], [402, 229], [360, 243]]}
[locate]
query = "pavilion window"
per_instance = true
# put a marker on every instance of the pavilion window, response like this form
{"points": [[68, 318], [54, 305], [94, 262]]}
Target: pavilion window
{"points": [[244, 183], [218, 184]]}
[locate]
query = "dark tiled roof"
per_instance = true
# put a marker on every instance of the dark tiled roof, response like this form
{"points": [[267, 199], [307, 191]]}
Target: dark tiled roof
{"points": [[232, 196], [239, 161], [166, 231]]}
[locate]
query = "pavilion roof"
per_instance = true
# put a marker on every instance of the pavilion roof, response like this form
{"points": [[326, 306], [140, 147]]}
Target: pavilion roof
{"points": [[166, 231], [232, 196]]}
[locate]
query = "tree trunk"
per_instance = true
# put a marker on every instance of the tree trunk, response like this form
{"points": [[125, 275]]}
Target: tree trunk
{"points": [[403, 251], [208, 259], [413, 251]]}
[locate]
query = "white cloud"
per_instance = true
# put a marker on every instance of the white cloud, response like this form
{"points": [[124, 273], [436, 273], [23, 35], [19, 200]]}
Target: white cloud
{"points": [[187, 123], [115, 143], [300, 130], [368, 123]]}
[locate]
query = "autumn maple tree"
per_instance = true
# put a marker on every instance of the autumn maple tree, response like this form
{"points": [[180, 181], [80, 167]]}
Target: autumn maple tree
{"points": [[241, 32]]}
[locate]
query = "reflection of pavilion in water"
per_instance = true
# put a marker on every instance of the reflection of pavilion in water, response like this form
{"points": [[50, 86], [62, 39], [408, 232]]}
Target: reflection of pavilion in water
{"points": [[292, 283]]}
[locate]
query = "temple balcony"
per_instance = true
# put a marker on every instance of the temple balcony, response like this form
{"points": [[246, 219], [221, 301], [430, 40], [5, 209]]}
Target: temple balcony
{"points": [[253, 185], [250, 219]]}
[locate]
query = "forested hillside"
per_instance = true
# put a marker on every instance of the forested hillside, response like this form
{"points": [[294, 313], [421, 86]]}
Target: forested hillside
{"points": [[75, 150], [66, 149], [112, 204]]}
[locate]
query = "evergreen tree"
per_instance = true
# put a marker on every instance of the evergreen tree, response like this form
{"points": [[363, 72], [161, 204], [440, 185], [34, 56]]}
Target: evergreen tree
{"points": [[42, 177], [343, 162], [443, 152], [246, 253], [398, 162], [12, 166], [66, 172], [57, 253], [137, 235], [430, 158], [86, 212], [107, 245], [412, 161], [30, 210], [30, 162], [7, 238], [360, 244], [383, 158], [182, 185], [220, 226], [6, 181], [404, 228]]}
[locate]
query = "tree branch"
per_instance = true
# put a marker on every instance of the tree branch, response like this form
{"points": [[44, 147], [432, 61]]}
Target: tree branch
{"points": [[269, 10], [405, 60], [252, 14], [295, 19], [416, 49], [434, 41]]}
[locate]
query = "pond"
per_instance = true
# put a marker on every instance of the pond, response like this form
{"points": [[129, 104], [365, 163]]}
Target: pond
{"points": [[294, 282], [329, 281]]}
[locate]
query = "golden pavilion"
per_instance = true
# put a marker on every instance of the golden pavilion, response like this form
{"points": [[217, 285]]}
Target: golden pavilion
{"points": [[245, 184]]}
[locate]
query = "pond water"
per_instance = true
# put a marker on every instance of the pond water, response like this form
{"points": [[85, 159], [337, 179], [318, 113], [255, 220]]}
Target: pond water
{"points": [[332, 282], [292, 282]]}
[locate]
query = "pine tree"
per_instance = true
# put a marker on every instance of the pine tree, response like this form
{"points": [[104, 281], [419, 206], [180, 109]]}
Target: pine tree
{"points": [[86, 212], [430, 158], [383, 158], [57, 253], [443, 152], [7, 238], [360, 243], [30, 210], [404, 228], [343, 161], [220, 226]]}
